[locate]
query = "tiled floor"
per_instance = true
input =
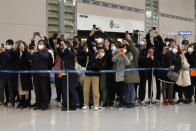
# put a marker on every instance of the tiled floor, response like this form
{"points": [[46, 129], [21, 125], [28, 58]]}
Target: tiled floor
{"points": [[150, 118]]}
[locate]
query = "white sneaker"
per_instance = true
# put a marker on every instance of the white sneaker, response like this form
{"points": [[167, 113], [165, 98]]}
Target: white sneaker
{"points": [[10, 105], [85, 107], [143, 103], [147, 100], [59, 104], [157, 101], [96, 108]]}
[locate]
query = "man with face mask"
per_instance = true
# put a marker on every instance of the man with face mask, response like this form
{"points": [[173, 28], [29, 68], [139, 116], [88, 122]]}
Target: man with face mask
{"points": [[143, 62], [95, 60], [41, 60], [6, 62], [79, 51], [167, 41], [191, 55]]}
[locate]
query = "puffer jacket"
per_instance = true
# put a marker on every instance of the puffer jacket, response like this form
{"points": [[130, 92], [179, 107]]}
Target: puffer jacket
{"points": [[119, 63], [184, 77]]}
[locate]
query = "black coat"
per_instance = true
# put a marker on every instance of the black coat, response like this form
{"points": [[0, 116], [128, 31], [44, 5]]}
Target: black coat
{"points": [[145, 62], [6, 63], [158, 52], [191, 59], [67, 58], [41, 60], [68, 63], [168, 60], [22, 63], [81, 56], [93, 63]]}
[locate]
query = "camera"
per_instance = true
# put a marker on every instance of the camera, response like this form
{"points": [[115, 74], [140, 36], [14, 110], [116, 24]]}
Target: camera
{"points": [[95, 27], [153, 28], [36, 33], [31, 46], [2, 45]]}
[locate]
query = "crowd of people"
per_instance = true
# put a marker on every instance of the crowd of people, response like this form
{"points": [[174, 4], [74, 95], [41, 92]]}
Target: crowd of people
{"points": [[99, 52]]}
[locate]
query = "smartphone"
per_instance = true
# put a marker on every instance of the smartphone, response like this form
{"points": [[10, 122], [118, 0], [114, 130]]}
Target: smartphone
{"points": [[150, 52], [95, 27], [153, 28], [2, 45], [31, 46], [121, 50], [36, 33], [127, 32]]}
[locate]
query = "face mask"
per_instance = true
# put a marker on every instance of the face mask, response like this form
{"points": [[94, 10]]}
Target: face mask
{"points": [[74, 43], [125, 51], [174, 50], [170, 48], [141, 43], [8, 47], [99, 40], [86, 50], [113, 48], [167, 43], [40, 47], [190, 50], [102, 54], [57, 46]]}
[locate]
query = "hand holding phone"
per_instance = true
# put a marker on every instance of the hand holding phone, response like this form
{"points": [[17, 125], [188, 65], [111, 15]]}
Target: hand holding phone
{"points": [[153, 28], [95, 27], [37, 33], [2, 50], [2, 45], [150, 52], [121, 50]]}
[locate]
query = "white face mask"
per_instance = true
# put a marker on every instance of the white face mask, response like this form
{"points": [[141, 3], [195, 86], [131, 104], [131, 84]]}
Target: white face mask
{"points": [[8, 47], [167, 43], [86, 50], [102, 54], [174, 50], [170, 48], [113, 48], [125, 51], [57, 46], [141, 43], [40, 47], [100, 40], [190, 50]]}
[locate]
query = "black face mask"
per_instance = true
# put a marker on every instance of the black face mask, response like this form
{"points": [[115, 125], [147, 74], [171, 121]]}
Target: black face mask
{"points": [[58, 40], [99, 48], [74, 43]]}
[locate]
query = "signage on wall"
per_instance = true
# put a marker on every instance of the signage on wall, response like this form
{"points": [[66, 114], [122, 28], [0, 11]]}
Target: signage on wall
{"points": [[185, 33], [109, 24], [114, 25]]}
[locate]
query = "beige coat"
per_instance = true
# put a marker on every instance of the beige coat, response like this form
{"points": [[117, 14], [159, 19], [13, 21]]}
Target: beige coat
{"points": [[132, 76], [184, 74]]}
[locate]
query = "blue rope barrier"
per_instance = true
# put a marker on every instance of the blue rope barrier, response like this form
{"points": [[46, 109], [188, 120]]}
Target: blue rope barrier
{"points": [[84, 71]]}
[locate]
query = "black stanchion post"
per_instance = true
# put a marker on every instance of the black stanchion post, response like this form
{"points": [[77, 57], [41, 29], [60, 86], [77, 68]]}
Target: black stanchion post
{"points": [[151, 91], [67, 73]]}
